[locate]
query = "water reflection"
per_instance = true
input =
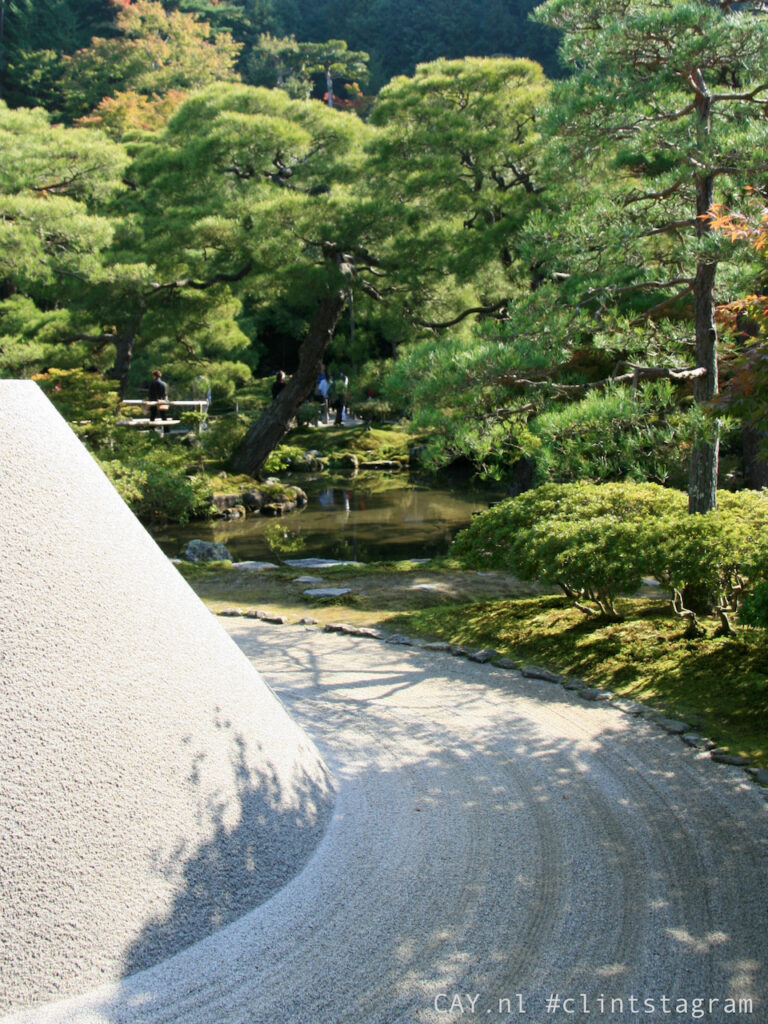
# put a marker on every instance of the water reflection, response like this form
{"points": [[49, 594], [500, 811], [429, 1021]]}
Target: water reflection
{"points": [[350, 519]]}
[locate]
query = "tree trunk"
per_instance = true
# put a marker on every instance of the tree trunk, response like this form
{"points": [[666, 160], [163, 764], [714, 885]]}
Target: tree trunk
{"points": [[329, 86], [271, 427], [705, 456], [702, 479], [123, 358]]}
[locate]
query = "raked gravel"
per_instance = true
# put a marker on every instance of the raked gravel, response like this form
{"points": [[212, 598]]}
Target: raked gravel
{"points": [[496, 840]]}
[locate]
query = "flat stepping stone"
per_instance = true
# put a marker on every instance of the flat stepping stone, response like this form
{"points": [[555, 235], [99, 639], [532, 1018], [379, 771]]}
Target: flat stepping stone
{"points": [[673, 726], [401, 638], [594, 694], [693, 739], [327, 591], [482, 655], [230, 612], [508, 663], [723, 757], [307, 621], [309, 579], [349, 630], [573, 683], [317, 563], [254, 565], [262, 616], [436, 645], [534, 672]]}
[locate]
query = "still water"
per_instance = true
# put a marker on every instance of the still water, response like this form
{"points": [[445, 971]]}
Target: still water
{"points": [[365, 520]]}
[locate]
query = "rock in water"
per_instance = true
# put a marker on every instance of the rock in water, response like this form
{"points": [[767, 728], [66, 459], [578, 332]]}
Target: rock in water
{"points": [[206, 551]]}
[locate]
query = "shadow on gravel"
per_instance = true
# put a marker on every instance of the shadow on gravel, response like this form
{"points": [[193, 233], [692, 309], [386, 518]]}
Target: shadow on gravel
{"points": [[240, 866], [508, 848]]}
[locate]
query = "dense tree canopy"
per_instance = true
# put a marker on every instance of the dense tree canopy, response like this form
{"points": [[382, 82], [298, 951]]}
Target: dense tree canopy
{"points": [[397, 35], [280, 198], [541, 261], [663, 115], [676, 92], [55, 184]]}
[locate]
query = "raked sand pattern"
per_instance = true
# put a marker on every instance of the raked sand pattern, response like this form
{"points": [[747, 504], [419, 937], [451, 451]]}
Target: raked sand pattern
{"points": [[499, 849]]}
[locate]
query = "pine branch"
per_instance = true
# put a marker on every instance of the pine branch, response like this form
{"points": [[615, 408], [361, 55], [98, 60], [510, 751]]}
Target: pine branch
{"points": [[186, 282], [743, 97], [639, 197], [481, 310], [637, 373], [654, 310]]}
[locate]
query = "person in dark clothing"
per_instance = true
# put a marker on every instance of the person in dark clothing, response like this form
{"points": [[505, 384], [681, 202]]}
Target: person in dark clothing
{"points": [[279, 384], [158, 398]]}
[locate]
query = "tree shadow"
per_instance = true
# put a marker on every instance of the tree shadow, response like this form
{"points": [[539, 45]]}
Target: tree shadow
{"points": [[278, 827], [492, 835]]}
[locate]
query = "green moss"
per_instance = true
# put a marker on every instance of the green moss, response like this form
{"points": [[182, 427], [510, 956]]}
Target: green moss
{"points": [[387, 442], [719, 684], [203, 570]]}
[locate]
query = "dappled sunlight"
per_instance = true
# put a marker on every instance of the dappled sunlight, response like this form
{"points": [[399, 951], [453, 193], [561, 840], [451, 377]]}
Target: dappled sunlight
{"points": [[698, 944], [494, 838], [260, 836]]}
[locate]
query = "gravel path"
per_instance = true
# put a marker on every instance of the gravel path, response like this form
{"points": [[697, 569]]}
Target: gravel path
{"points": [[496, 840]]}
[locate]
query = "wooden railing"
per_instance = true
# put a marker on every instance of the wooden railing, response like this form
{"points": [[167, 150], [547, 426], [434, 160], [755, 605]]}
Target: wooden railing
{"points": [[197, 404]]}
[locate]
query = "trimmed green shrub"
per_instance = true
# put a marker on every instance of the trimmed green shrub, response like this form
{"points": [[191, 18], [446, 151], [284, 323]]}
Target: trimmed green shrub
{"points": [[588, 539], [597, 541], [152, 480]]}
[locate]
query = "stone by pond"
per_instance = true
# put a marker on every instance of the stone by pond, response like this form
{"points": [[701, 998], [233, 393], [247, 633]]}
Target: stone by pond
{"points": [[349, 520]]}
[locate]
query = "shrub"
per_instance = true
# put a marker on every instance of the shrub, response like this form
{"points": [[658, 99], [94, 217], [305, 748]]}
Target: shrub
{"points": [[223, 436], [173, 496], [598, 541], [86, 400], [153, 482], [754, 609], [309, 413], [587, 539], [715, 555]]}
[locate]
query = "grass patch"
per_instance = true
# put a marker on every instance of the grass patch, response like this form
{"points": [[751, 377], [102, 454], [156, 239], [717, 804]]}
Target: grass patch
{"points": [[718, 684]]}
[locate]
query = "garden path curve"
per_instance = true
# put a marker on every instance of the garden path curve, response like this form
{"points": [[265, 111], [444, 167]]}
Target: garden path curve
{"points": [[496, 840]]}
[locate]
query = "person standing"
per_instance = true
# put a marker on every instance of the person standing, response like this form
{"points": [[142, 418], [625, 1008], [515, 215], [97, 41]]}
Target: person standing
{"points": [[278, 384], [323, 390], [158, 398]]}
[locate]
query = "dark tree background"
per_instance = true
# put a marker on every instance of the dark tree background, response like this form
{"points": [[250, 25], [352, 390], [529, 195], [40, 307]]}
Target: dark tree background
{"points": [[398, 34]]}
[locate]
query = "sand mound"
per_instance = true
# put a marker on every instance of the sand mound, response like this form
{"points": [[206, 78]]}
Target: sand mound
{"points": [[152, 787]]}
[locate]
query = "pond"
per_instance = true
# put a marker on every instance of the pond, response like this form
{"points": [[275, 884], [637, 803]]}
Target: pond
{"points": [[362, 518]]}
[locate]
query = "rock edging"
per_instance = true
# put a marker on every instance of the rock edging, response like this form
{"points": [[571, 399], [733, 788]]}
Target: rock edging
{"points": [[594, 694]]}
